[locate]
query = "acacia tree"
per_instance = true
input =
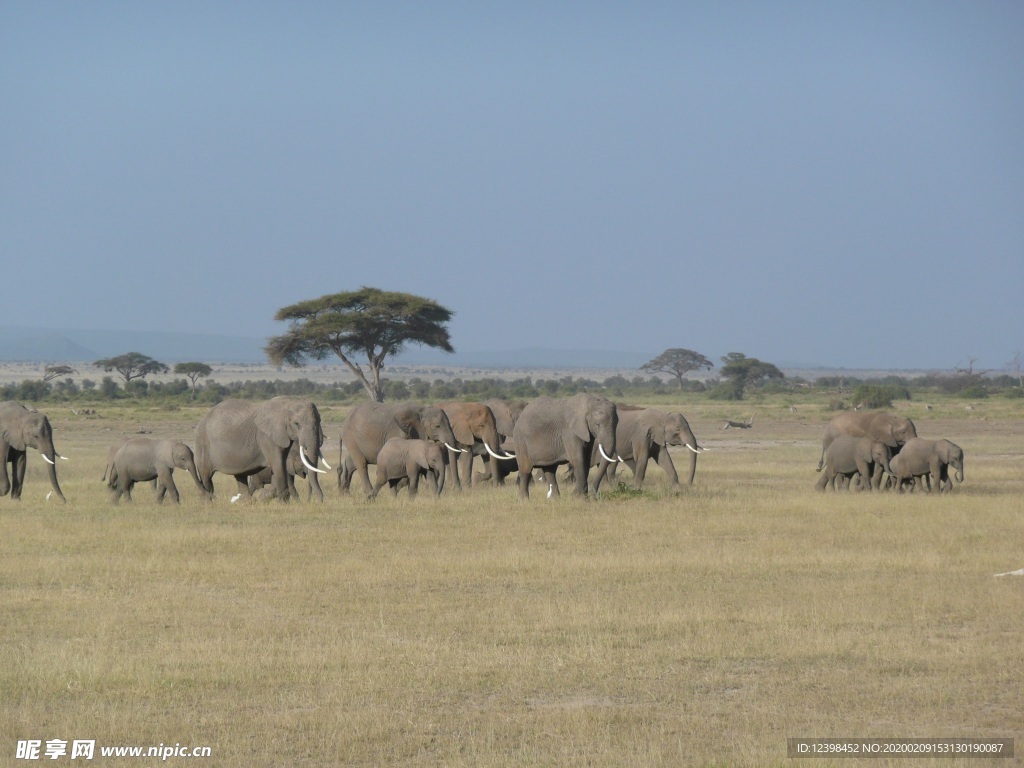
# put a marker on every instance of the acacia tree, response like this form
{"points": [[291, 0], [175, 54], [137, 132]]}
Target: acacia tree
{"points": [[131, 366], [743, 372], [194, 372], [52, 372], [368, 322], [678, 362]]}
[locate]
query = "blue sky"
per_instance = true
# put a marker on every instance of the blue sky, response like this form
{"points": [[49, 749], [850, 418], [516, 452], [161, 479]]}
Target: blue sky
{"points": [[834, 183]]}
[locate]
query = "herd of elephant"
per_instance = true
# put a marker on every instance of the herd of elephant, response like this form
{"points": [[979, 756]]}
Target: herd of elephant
{"points": [[266, 445], [868, 450]]}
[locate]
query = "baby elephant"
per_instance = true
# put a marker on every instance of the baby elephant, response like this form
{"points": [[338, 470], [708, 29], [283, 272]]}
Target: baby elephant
{"points": [[929, 461], [403, 458], [847, 456], [141, 459]]}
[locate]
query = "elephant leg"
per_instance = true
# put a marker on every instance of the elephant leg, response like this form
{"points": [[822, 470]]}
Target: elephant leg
{"points": [[170, 487], [18, 474], [525, 473], [579, 460], [664, 460], [464, 461], [640, 459], [362, 469], [412, 471], [822, 483], [453, 462], [5, 455], [128, 490]]}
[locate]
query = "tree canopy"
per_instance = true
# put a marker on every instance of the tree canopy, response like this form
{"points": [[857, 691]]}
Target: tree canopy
{"points": [[370, 322], [743, 372], [132, 365], [193, 371], [52, 372], [678, 362]]}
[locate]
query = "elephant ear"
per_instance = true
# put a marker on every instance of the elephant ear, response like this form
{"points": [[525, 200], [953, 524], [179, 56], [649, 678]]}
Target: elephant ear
{"points": [[407, 421], [462, 432], [656, 431], [273, 422], [578, 424]]}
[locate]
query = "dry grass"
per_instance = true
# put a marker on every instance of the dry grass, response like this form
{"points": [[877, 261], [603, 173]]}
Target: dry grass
{"points": [[700, 629]]}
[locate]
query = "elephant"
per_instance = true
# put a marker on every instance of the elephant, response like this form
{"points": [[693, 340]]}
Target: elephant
{"points": [[403, 458], [22, 428], [241, 438], [929, 460], [566, 430], [643, 434], [370, 425], [505, 416], [295, 467], [891, 429], [473, 425], [847, 455], [141, 459]]}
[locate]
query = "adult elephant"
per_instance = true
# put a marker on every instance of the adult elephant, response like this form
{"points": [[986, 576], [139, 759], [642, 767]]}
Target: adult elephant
{"points": [[241, 438], [22, 428], [566, 430], [370, 425], [476, 430], [142, 459], [295, 467], [929, 461], [891, 429], [643, 434]]}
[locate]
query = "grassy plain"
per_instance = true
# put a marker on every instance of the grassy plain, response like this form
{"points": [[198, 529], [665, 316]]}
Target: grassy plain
{"points": [[476, 630]]}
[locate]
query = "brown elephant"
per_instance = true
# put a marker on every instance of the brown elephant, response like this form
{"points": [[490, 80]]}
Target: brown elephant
{"points": [[889, 428], [476, 431]]}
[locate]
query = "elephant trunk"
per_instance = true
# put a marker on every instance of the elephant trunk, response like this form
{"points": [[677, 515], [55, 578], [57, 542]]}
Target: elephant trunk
{"points": [[440, 472], [194, 474], [693, 465], [51, 455], [960, 472]]}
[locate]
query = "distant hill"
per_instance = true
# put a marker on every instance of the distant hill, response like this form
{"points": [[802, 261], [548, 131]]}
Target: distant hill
{"points": [[39, 345], [21, 344]]}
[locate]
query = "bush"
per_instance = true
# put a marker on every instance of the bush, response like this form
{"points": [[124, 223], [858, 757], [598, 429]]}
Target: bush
{"points": [[879, 396]]}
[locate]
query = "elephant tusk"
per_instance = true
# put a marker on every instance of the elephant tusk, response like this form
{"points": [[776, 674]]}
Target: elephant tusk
{"points": [[692, 448], [325, 462], [47, 459], [305, 462], [455, 450], [605, 455], [619, 458], [496, 455], [62, 458]]}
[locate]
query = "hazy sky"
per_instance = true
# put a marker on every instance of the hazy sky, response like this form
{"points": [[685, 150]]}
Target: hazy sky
{"points": [[836, 183]]}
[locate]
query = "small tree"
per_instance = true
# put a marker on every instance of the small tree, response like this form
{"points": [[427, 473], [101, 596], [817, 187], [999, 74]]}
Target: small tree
{"points": [[52, 372], [678, 362], [131, 366], [194, 372], [368, 322], [743, 372]]}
